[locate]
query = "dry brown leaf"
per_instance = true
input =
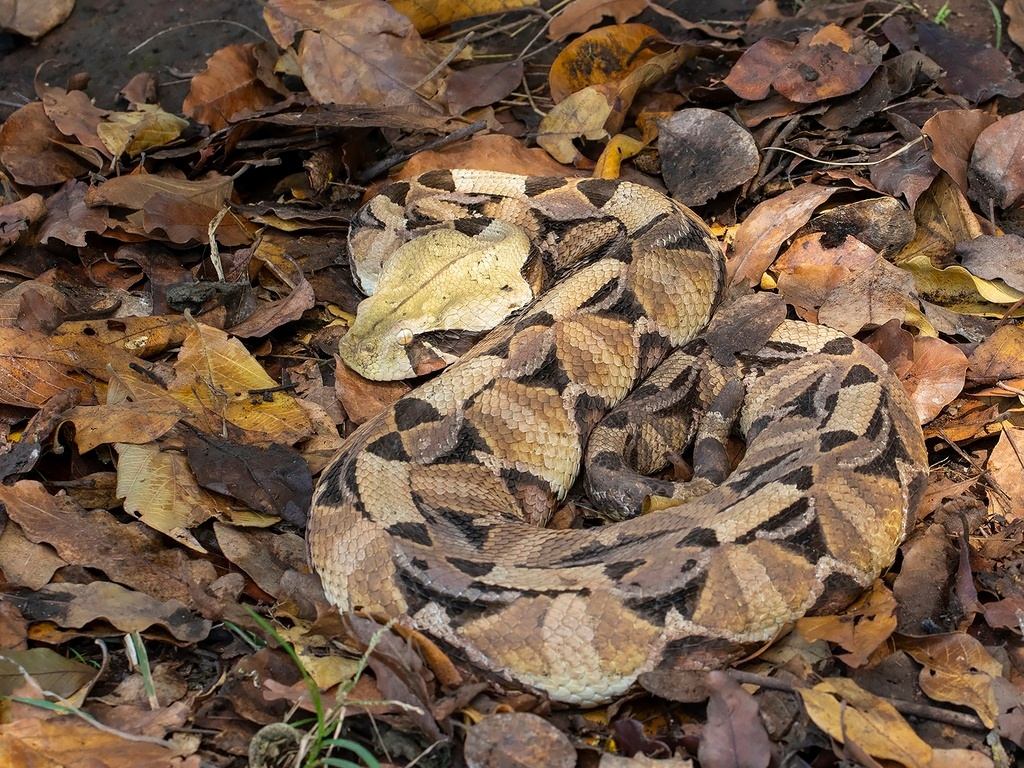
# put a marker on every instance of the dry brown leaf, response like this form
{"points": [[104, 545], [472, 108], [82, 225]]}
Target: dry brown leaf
{"points": [[159, 489], [583, 114], [996, 172], [493, 152], [68, 218], [360, 52], [936, 376], [1014, 10], [30, 152], [220, 381], [1006, 467], [48, 668], [132, 133], [231, 83], [77, 605], [995, 258], [580, 15], [767, 227], [953, 133], [32, 370], [861, 629], [180, 209], [822, 65], [512, 739], [1000, 357], [959, 670], [74, 743], [17, 217], [482, 85], [34, 18], [362, 398], [734, 734], [129, 553], [704, 153], [973, 69], [25, 563]]}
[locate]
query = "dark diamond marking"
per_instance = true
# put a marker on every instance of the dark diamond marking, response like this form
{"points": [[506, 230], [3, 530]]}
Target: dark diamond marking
{"points": [[598, 191], [389, 447], [699, 537], [828, 441], [538, 185], [841, 346], [472, 568], [417, 533], [859, 374], [615, 571], [442, 180], [411, 412]]}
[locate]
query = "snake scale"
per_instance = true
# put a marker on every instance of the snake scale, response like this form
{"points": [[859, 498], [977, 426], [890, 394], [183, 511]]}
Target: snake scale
{"points": [[434, 509]]}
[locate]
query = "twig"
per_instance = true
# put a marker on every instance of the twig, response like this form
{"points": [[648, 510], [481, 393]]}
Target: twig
{"points": [[926, 711], [400, 157], [890, 156], [176, 27], [455, 51]]}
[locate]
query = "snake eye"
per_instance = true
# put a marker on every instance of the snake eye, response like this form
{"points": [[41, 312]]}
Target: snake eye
{"points": [[404, 337]]}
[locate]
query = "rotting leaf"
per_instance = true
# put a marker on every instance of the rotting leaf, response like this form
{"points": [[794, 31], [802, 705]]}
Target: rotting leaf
{"points": [[600, 56], [511, 739], [996, 172], [704, 153], [734, 734], [75, 606]]}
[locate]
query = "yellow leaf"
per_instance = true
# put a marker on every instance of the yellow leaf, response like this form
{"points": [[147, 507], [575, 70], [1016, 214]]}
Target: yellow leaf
{"points": [[219, 380], [582, 114], [132, 133], [848, 713], [427, 15]]}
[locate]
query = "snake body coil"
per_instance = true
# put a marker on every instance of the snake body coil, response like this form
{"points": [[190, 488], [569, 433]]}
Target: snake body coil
{"points": [[432, 509]]}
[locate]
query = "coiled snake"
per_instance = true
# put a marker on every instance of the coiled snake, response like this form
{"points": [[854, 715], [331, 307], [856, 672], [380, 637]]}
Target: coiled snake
{"points": [[432, 510]]}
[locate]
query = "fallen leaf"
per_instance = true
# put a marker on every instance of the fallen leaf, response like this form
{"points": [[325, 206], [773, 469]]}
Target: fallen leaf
{"points": [[861, 629], [232, 83], [953, 133], [974, 70], [604, 55], [734, 734], [580, 15], [30, 151], [767, 227], [33, 19], [994, 258], [77, 605], [704, 153], [957, 669], [1006, 468], [428, 15], [847, 713], [1000, 357], [48, 668], [73, 742], [511, 739], [995, 171]]}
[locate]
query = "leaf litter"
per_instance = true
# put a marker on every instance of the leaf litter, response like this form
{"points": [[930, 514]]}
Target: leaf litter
{"points": [[173, 289]]}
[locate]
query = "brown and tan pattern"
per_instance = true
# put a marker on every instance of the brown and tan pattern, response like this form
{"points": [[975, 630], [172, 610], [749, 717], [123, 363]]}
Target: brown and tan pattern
{"points": [[431, 511]]}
